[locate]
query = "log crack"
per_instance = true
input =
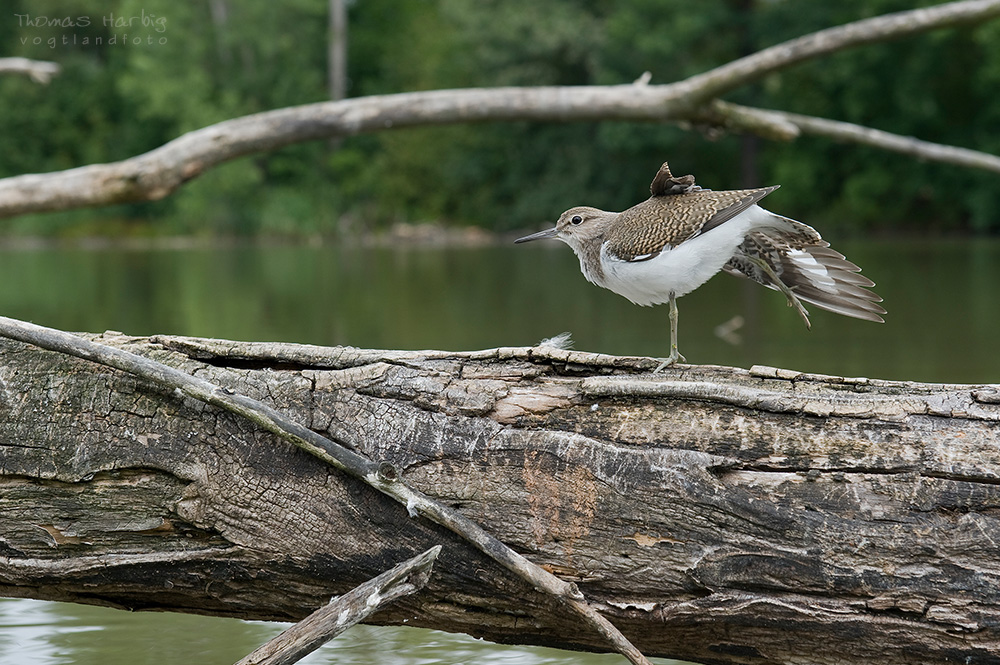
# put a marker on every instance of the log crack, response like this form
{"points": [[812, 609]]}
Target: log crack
{"points": [[684, 516]]}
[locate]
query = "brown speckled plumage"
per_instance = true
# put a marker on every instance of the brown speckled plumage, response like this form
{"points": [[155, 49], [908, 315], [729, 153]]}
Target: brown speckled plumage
{"points": [[644, 230], [850, 295], [678, 210], [673, 242]]}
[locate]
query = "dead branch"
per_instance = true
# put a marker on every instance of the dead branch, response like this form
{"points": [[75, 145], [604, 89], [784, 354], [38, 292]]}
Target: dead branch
{"points": [[736, 74], [298, 641], [156, 174], [38, 70], [783, 125]]}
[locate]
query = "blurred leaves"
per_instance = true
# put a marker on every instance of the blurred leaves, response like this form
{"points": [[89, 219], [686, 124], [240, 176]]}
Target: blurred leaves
{"points": [[218, 59]]}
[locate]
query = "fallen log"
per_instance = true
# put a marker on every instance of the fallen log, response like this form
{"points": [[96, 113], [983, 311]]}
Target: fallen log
{"points": [[713, 514]]}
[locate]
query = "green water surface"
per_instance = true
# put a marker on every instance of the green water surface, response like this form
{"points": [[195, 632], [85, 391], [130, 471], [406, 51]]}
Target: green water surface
{"points": [[942, 326], [941, 297]]}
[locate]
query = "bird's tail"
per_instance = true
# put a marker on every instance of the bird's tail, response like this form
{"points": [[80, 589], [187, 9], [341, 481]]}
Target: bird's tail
{"points": [[791, 257]]}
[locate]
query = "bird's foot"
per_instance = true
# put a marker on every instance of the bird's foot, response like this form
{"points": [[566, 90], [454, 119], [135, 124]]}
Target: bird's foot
{"points": [[670, 360], [794, 302]]}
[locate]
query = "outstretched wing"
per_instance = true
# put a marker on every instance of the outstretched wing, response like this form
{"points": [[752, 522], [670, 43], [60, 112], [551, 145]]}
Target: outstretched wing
{"points": [[792, 258]]}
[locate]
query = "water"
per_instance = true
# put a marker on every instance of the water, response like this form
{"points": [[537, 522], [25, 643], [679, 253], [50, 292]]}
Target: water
{"points": [[941, 296], [942, 327], [40, 633]]}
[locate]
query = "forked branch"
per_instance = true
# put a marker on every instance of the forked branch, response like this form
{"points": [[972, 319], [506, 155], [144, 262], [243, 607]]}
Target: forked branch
{"points": [[156, 174]]}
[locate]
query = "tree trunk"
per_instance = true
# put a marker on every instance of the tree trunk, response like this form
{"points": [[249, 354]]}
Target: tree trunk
{"points": [[336, 58], [713, 514]]}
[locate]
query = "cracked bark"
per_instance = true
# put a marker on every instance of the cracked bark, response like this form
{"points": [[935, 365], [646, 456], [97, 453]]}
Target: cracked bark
{"points": [[713, 514]]}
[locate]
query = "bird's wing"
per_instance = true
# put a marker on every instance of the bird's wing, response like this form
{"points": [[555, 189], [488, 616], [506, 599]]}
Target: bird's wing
{"points": [[665, 184], [748, 198], [665, 221], [793, 259]]}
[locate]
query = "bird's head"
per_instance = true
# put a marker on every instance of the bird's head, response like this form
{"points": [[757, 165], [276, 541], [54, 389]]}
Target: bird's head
{"points": [[577, 227]]}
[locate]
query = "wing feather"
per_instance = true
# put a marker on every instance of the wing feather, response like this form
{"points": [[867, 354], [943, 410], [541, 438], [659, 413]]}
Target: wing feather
{"points": [[663, 222]]}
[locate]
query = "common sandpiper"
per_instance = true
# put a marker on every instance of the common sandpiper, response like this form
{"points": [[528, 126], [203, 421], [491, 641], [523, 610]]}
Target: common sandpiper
{"points": [[677, 239]]}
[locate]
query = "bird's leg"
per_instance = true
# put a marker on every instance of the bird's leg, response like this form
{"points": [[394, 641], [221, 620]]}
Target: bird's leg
{"points": [[793, 300], [674, 353]]}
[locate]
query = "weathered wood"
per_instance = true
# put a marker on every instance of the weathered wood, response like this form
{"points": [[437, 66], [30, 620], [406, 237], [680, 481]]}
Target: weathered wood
{"points": [[383, 476], [714, 514], [693, 101], [298, 641]]}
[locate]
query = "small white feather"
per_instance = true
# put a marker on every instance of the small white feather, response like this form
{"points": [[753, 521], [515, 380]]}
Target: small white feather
{"points": [[563, 341]]}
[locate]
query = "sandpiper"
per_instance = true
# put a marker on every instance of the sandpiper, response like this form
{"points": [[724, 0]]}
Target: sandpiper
{"points": [[673, 242]]}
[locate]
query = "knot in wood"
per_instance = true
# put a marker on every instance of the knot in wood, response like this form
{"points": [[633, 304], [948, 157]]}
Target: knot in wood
{"points": [[388, 472]]}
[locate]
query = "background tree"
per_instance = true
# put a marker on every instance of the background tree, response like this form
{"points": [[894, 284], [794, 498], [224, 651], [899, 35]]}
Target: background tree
{"points": [[223, 60]]}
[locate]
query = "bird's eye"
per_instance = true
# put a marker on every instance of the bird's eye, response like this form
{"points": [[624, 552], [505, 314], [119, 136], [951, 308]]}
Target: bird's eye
{"points": [[576, 219]]}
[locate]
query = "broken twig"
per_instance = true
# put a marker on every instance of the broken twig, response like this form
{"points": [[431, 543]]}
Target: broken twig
{"points": [[342, 612]]}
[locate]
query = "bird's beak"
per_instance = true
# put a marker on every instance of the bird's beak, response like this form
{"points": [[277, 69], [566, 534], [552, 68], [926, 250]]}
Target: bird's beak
{"points": [[547, 233]]}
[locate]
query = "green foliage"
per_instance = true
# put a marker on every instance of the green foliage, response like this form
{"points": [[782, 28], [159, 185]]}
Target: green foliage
{"points": [[198, 63]]}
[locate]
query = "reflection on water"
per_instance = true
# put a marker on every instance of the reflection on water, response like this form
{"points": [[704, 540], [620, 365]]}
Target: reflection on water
{"points": [[39, 633], [942, 326], [941, 296]]}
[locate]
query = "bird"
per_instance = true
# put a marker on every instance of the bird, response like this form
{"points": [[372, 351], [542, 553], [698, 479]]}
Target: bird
{"points": [[682, 235]]}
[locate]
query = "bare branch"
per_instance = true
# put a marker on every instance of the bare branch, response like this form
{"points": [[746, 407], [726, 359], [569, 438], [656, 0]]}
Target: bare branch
{"points": [[718, 114], [39, 70], [718, 81], [784, 125], [341, 613], [155, 174], [937, 152]]}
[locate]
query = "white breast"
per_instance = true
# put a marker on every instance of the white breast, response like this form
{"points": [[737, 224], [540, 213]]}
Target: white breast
{"points": [[682, 269]]}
